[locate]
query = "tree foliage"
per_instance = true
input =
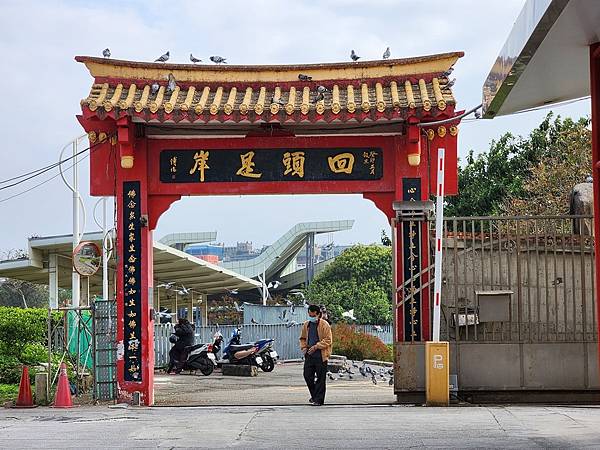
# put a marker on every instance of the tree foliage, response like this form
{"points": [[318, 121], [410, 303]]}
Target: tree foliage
{"points": [[503, 179], [360, 279]]}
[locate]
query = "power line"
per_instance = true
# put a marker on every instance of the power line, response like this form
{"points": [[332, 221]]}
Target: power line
{"points": [[37, 185], [38, 172]]}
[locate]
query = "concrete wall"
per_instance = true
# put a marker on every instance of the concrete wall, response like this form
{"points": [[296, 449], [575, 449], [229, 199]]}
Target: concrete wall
{"points": [[552, 371]]}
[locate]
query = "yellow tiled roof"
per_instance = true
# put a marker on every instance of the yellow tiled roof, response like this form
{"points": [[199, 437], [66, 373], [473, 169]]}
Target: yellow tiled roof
{"points": [[225, 93]]}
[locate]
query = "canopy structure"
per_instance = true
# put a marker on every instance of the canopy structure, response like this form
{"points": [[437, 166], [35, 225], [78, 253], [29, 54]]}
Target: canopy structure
{"points": [[170, 266], [546, 57]]}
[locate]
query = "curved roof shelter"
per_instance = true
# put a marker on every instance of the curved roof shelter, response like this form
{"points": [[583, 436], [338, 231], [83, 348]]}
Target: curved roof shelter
{"points": [[238, 96], [170, 266]]}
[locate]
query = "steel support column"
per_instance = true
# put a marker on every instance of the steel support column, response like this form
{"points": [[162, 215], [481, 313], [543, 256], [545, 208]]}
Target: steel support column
{"points": [[595, 99]]}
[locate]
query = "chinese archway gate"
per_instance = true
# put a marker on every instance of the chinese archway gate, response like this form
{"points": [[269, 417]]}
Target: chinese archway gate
{"points": [[162, 131]]}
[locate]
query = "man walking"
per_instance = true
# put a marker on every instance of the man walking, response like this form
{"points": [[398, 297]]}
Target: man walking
{"points": [[315, 343]]}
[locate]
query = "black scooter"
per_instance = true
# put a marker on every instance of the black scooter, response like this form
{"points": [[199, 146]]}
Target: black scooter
{"points": [[202, 357]]}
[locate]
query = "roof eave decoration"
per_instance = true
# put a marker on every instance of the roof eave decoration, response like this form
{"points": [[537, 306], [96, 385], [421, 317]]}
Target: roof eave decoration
{"points": [[370, 90]]}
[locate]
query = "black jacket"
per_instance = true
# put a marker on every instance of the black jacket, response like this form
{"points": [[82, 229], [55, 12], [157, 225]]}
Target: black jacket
{"points": [[185, 333]]}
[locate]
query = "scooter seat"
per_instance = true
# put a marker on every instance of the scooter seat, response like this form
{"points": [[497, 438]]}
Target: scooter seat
{"points": [[237, 348], [191, 348]]}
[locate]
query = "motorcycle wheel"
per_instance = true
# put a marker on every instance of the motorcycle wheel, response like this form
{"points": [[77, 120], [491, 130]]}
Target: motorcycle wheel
{"points": [[206, 366], [268, 364]]}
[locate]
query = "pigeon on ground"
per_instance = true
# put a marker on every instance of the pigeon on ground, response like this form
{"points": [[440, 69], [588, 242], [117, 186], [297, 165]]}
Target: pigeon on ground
{"points": [[155, 87], [106, 53], [373, 379], [354, 364], [330, 375], [340, 375], [362, 371], [303, 77], [218, 59], [391, 382], [163, 58], [387, 53], [194, 59], [353, 56], [350, 376]]}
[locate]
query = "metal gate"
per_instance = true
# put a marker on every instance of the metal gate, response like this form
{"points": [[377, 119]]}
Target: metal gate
{"points": [[536, 274], [105, 349]]}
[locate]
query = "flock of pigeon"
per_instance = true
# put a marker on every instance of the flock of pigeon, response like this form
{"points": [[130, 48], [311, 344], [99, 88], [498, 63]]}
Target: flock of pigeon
{"points": [[220, 60], [367, 372]]}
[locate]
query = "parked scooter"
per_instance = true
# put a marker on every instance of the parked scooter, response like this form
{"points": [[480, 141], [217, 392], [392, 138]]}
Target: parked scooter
{"points": [[245, 354], [202, 357], [267, 353]]}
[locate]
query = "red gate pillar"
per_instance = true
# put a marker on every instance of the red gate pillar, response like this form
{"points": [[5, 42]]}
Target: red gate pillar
{"points": [[595, 99], [134, 280]]}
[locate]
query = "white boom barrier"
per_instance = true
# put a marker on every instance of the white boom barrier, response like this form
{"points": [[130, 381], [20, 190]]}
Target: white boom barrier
{"points": [[439, 221]]}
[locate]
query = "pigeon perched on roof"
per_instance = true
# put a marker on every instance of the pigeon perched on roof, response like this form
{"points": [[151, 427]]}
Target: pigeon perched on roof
{"points": [[253, 321], [303, 77], [451, 83], [163, 58], [386, 54], [194, 59], [448, 72], [218, 59], [354, 56], [320, 96], [172, 84], [155, 87], [106, 53], [322, 89]]}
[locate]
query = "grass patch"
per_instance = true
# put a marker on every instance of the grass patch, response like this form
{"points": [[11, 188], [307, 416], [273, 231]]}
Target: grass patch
{"points": [[8, 392]]}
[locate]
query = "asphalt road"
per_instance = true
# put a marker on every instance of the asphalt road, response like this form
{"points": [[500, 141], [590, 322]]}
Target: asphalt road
{"points": [[284, 386], [290, 427]]}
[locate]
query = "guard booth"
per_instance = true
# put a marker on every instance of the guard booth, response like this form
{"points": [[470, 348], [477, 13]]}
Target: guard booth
{"points": [[162, 131]]}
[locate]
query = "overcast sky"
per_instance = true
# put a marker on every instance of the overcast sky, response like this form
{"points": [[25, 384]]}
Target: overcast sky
{"points": [[43, 86]]}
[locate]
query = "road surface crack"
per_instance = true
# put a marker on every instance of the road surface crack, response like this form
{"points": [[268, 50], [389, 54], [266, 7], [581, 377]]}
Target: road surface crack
{"points": [[241, 433]]}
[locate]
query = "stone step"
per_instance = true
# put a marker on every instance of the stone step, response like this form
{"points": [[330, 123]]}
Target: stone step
{"points": [[239, 370]]}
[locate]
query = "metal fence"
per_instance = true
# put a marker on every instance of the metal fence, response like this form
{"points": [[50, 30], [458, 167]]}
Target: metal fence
{"points": [[544, 265], [285, 335]]}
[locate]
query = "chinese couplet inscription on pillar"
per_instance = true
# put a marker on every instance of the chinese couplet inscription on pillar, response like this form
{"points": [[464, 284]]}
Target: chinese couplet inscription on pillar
{"points": [[411, 261], [213, 165], [132, 270]]}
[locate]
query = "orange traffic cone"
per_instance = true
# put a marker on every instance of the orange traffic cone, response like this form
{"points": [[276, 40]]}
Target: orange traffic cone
{"points": [[63, 392], [25, 399]]}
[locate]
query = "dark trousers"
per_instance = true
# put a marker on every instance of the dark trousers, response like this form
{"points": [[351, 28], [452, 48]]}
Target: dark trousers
{"points": [[315, 367]]}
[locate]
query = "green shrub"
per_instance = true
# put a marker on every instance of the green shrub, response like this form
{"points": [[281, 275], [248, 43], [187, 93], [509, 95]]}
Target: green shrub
{"points": [[357, 345], [10, 369], [21, 327]]}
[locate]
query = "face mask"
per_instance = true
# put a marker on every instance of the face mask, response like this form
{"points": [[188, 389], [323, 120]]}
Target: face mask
{"points": [[312, 319]]}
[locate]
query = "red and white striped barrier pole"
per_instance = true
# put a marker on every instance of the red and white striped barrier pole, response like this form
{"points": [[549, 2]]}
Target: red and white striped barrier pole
{"points": [[439, 224]]}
